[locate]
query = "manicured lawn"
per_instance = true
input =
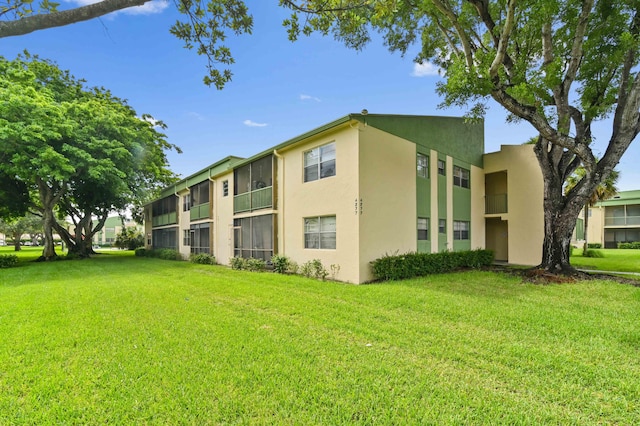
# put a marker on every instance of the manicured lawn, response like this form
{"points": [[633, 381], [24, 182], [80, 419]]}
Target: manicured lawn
{"points": [[613, 260], [124, 340]]}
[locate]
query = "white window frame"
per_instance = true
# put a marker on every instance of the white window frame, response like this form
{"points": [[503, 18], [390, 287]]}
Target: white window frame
{"points": [[442, 167], [461, 230], [323, 155], [461, 177], [422, 165], [324, 228], [423, 227]]}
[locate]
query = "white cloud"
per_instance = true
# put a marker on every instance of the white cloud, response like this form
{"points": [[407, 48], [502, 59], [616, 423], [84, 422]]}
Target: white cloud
{"points": [[253, 123], [149, 8], [195, 115], [424, 70], [307, 97]]}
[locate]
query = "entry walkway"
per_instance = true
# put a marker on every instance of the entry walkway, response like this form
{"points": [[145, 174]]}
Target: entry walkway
{"points": [[597, 271]]}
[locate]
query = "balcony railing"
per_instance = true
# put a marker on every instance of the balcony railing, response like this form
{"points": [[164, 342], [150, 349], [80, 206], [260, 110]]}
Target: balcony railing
{"points": [[254, 200], [494, 204], [622, 221], [165, 219], [201, 211]]}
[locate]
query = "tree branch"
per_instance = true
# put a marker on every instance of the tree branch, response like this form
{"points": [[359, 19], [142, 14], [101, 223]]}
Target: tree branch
{"points": [[43, 21], [498, 61]]}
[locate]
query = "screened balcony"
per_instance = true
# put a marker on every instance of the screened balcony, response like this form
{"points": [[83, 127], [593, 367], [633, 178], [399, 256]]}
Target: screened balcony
{"points": [[253, 186]]}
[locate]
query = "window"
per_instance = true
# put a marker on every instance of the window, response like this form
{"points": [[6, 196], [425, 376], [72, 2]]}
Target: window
{"points": [[442, 226], [460, 177], [200, 193], [253, 237], [200, 238], [165, 206], [186, 202], [460, 230], [441, 167], [225, 188], [423, 166], [165, 238], [186, 237], [320, 162], [320, 232], [423, 228]]}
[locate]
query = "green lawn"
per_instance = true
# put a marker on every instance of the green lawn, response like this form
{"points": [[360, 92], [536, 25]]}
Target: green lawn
{"points": [[124, 340], [613, 260]]}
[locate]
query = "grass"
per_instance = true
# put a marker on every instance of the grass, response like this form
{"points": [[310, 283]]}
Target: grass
{"points": [[125, 340], [613, 260]]}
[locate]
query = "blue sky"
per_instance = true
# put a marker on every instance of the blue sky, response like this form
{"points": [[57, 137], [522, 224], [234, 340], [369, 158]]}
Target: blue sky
{"points": [[279, 89]]}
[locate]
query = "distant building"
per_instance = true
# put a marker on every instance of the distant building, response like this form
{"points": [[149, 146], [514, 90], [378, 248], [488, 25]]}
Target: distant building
{"points": [[112, 227], [614, 221], [355, 189]]}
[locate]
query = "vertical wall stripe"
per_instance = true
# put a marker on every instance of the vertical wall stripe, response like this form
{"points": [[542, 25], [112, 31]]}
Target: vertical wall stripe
{"points": [[433, 174], [449, 203]]}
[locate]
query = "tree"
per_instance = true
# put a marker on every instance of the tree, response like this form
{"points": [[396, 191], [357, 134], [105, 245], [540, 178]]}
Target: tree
{"points": [[604, 191], [28, 224], [83, 152], [561, 65], [129, 239], [205, 27]]}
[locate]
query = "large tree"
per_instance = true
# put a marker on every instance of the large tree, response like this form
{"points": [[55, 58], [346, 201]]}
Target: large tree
{"points": [[205, 24], [16, 227], [561, 65], [83, 152]]}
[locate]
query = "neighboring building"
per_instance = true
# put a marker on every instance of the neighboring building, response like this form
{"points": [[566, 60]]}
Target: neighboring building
{"points": [[112, 227], [616, 220], [354, 190]]}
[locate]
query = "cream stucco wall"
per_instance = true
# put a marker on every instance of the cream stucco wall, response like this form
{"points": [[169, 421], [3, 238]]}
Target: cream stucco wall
{"points": [[477, 208], [223, 220], [336, 195], [595, 227], [525, 214], [184, 222], [388, 217]]}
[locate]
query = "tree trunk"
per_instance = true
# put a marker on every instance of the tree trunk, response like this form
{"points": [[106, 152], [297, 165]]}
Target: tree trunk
{"points": [[49, 250], [16, 241]]}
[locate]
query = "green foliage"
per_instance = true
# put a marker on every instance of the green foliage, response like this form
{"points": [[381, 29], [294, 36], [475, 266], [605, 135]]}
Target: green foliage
{"points": [[8, 260], [202, 259], [129, 239], [281, 263], [165, 254], [409, 265], [633, 245], [314, 269], [248, 264], [593, 253], [594, 245]]}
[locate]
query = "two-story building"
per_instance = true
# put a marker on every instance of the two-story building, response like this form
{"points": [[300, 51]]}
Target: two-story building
{"points": [[355, 189]]}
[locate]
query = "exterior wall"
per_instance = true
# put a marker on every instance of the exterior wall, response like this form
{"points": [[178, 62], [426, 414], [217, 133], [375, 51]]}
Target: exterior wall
{"points": [[525, 212], [388, 217], [184, 221], [223, 220], [336, 195], [478, 230]]}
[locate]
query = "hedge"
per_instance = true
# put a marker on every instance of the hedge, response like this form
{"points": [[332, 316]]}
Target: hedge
{"points": [[8, 260], [634, 245], [409, 265]]}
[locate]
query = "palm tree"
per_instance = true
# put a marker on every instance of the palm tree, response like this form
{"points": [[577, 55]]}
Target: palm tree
{"points": [[607, 189]]}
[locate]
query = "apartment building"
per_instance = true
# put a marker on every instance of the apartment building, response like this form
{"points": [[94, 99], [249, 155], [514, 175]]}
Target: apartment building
{"points": [[353, 190], [616, 220]]}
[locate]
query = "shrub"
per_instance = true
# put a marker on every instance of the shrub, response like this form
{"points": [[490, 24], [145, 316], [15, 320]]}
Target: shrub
{"points": [[633, 245], [166, 254], [409, 265], [202, 259], [238, 263], [593, 253], [280, 263], [256, 265], [314, 269], [8, 260], [293, 268], [594, 245]]}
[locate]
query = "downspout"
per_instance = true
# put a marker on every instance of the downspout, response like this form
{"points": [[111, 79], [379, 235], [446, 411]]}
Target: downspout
{"points": [[281, 209]]}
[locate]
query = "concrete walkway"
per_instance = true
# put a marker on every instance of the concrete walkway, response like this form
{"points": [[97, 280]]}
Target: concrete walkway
{"points": [[597, 271]]}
